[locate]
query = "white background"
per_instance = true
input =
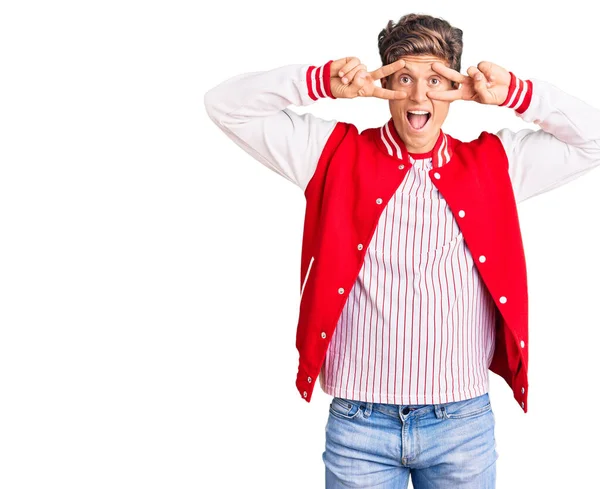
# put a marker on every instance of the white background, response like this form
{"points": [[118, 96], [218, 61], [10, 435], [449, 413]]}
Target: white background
{"points": [[150, 268]]}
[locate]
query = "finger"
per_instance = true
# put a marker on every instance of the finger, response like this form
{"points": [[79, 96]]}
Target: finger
{"points": [[352, 73], [447, 95], [388, 69], [337, 65], [350, 64], [480, 83], [386, 94], [488, 69], [448, 72]]}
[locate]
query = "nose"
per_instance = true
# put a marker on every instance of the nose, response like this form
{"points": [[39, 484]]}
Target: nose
{"points": [[419, 90]]}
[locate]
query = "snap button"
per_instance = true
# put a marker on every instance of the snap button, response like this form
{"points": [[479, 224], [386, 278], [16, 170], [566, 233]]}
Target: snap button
{"points": [[309, 380], [360, 246], [482, 258], [522, 344], [436, 175], [503, 300], [401, 167], [522, 390], [323, 335], [461, 213], [341, 290], [379, 201]]}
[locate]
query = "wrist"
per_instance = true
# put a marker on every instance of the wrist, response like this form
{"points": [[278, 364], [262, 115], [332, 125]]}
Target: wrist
{"points": [[519, 94], [318, 81]]}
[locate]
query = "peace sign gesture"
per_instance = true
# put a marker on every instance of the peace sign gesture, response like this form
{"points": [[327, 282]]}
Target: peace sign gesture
{"points": [[349, 79], [486, 84]]}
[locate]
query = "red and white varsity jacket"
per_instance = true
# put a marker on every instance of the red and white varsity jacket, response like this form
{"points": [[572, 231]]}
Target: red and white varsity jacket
{"points": [[348, 178]]}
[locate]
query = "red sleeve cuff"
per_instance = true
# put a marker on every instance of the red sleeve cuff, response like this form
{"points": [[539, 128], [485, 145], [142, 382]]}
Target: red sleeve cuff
{"points": [[519, 94], [318, 81]]}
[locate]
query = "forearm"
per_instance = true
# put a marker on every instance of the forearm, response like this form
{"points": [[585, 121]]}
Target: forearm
{"points": [[566, 147], [568, 118], [264, 93]]}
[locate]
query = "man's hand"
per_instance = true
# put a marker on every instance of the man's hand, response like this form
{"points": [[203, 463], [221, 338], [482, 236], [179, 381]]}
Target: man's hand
{"points": [[486, 84], [350, 79]]}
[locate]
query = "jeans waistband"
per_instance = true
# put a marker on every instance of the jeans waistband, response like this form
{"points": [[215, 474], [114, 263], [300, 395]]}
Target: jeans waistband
{"points": [[415, 409]]}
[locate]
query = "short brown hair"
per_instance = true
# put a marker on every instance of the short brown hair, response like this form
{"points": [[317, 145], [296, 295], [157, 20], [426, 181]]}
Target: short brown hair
{"points": [[416, 34]]}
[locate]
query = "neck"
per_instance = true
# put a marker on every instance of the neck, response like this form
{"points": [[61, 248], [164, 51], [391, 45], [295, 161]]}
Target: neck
{"points": [[427, 148], [418, 156]]}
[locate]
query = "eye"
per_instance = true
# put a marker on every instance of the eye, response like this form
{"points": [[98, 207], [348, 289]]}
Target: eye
{"points": [[401, 77], [437, 80]]}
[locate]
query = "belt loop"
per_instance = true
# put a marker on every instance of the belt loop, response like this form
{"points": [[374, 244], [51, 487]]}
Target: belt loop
{"points": [[368, 409], [440, 411]]}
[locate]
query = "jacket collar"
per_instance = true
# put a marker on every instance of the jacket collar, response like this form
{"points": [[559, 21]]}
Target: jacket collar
{"points": [[389, 140]]}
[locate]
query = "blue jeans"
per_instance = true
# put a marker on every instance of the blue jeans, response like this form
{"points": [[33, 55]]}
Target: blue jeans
{"points": [[378, 446]]}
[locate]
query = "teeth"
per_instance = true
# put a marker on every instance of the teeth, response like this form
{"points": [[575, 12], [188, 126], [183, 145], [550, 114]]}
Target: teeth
{"points": [[418, 112]]}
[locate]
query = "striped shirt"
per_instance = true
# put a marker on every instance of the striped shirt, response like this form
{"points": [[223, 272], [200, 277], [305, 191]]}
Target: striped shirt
{"points": [[419, 324]]}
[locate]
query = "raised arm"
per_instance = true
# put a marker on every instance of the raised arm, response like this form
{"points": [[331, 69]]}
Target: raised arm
{"points": [[252, 110], [566, 147]]}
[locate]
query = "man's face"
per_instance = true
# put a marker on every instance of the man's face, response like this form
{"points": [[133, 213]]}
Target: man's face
{"points": [[416, 79]]}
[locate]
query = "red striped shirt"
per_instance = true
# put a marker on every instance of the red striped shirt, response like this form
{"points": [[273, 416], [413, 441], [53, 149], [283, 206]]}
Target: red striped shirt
{"points": [[418, 326]]}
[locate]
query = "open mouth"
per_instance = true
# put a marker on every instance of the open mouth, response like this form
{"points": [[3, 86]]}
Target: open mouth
{"points": [[418, 119]]}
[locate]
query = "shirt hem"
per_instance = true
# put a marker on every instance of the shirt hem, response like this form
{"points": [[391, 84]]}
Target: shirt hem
{"points": [[402, 400]]}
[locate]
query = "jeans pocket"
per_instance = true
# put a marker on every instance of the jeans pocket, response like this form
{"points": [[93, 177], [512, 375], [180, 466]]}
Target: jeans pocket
{"points": [[468, 408], [344, 408]]}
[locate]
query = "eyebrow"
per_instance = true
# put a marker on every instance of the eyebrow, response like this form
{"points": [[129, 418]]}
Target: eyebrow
{"points": [[408, 69]]}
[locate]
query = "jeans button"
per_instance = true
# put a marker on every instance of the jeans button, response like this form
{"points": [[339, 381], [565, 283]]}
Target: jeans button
{"points": [[406, 410]]}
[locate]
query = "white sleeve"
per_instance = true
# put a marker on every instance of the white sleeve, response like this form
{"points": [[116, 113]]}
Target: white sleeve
{"points": [[566, 147], [252, 110]]}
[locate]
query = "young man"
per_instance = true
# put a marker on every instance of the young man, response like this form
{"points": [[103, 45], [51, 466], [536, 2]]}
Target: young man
{"points": [[413, 277]]}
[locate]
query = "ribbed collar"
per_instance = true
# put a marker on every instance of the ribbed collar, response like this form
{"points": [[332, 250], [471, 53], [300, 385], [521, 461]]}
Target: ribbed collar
{"points": [[390, 141]]}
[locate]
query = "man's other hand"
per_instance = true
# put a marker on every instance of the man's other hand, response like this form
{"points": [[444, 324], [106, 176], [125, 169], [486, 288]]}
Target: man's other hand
{"points": [[487, 83]]}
